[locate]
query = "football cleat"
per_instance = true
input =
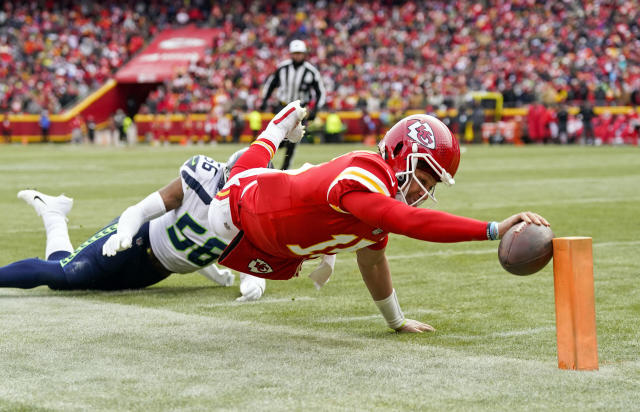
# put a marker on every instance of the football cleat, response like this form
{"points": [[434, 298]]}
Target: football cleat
{"points": [[287, 122], [44, 203]]}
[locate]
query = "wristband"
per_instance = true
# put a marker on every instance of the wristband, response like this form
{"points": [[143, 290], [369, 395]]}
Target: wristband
{"points": [[390, 309], [492, 231]]}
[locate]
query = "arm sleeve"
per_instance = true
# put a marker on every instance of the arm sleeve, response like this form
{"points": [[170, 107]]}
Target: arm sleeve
{"points": [[135, 216], [394, 216]]}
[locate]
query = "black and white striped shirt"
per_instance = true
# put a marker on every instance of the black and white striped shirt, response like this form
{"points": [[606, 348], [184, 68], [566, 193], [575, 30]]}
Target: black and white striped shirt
{"points": [[295, 83]]}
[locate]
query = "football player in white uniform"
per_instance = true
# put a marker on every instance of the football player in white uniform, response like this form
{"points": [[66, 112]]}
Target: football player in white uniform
{"points": [[167, 232], [161, 239]]}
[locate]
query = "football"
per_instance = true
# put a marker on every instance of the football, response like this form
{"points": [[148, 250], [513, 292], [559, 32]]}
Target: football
{"points": [[525, 248]]}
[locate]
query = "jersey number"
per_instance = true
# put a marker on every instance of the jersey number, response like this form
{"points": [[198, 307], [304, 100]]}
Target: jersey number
{"points": [[200, 255], [208, 163], [338, 243]]}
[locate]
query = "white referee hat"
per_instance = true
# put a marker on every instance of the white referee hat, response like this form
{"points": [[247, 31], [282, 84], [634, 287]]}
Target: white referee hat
{"points": [[297, 46]]}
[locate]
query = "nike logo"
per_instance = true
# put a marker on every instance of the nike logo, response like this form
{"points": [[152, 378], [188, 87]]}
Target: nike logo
{"points": [[36, 197]]}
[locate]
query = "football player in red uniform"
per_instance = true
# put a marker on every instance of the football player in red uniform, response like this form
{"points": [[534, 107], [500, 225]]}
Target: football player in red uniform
{"points": [[275, 220]]}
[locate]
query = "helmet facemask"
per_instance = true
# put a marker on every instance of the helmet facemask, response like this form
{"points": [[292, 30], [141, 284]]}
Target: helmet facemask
{"points": [[409, 174]]}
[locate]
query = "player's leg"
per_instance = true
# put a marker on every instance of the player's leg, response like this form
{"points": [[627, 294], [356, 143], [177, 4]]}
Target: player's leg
{"points": [[77, 270], [87, 268], [134, 268], [29, 273], [53, 210], [288, 156]]}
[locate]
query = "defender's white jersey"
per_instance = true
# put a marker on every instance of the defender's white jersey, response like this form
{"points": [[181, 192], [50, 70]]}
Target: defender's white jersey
{"points": [[182, 239]]}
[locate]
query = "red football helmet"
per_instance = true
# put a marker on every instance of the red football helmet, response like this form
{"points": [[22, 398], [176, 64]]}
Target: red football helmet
{"points": [[420, 141]]}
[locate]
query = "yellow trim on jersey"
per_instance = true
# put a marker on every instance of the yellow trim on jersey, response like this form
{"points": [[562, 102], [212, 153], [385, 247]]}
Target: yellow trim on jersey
{"points": [[223, 193], [360, 175], [337, 209], [266, 146], [380, 187], [368, 179]]}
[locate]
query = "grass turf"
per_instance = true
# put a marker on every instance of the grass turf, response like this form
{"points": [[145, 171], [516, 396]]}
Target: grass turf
{"points": [[185, 344]]}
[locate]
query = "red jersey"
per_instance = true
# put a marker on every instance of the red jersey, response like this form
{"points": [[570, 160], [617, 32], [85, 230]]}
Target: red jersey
{"points": [[286, 217], [299, 213]]}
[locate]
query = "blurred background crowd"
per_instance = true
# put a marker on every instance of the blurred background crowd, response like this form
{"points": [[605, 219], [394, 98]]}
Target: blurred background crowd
{"points": [[388, 56]]}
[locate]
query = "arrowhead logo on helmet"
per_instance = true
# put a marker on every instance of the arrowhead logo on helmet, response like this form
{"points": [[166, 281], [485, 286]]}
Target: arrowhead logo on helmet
{"points": [[422, 133], [420, 141]]}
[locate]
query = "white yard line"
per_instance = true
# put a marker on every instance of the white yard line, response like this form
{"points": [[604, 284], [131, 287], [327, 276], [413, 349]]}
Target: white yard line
{"points": [[58, 350], [374, 317], [552, 202], [447, 253], [264, 300], [79, 313], [506, 334]]}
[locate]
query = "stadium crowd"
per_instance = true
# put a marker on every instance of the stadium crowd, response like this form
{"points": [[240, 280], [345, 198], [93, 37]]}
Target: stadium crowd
{"points": [[54, 52], [383, 55], [409, 55]]}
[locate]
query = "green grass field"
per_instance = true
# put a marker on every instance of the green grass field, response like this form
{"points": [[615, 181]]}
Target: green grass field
{"points": [[185, 344]]}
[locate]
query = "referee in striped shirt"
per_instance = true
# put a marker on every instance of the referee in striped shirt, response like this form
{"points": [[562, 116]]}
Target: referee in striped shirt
{"points": [[295, 79]]}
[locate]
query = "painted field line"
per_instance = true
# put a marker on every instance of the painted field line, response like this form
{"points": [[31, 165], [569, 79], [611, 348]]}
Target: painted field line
{"points": [[124, 313], [447, 253], [261, 301], [87, 318], [507, 334], [40, 229], [555, 202], [75, 354], [522, 332], [347, 319]]}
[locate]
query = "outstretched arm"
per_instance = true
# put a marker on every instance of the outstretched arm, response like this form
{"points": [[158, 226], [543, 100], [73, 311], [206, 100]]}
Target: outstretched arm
{"points": [[155, 205], [374, 268], [393, 216]]}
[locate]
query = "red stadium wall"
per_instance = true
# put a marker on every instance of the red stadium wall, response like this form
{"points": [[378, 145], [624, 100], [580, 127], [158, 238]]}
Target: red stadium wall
{"points": [[180, 127], [176, 127], [100, 105]]}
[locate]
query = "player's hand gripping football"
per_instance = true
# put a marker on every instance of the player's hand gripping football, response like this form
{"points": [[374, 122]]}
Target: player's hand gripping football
{"points": [[414, 326], [528, 217], [116, 243], [287, 123]]}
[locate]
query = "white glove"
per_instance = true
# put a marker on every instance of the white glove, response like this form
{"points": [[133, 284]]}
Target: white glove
{"points": [[286, 124], [323, 271], [222, 277], [296, 134], [251, 288], [116, 243]]}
